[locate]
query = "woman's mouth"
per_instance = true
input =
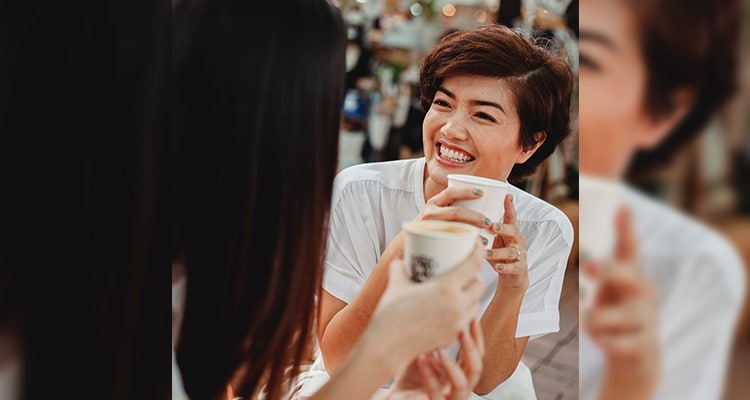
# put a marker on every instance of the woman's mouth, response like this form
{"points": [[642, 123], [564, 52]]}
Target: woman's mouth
{"points": [[453, 154]]}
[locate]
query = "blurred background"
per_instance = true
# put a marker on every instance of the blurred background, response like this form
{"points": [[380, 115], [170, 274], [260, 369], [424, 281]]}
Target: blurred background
{"points": [[710, 180], [382, 120]]}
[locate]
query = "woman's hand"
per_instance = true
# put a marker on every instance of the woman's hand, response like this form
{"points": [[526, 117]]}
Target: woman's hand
{"points": [[415, 318], [624, 320], [437, 377], [508, 254], [441, 207]]}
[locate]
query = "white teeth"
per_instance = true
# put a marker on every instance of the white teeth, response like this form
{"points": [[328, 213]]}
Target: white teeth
{"points": [[455, 156]]}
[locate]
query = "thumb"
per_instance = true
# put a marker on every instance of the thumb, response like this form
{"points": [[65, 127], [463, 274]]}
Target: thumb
{"points": [[626, 247], [592, 269]]}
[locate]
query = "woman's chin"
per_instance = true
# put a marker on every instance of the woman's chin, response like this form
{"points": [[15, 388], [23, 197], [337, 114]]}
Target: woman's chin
{"points": [[438, 171]]}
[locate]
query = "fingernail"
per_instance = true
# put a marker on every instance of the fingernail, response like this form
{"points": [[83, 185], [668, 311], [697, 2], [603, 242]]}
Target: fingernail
{"points": [[489, 253], [477, 192], [488, 221], [499, 267], [511, 198], [484, 241], [498, 227]]}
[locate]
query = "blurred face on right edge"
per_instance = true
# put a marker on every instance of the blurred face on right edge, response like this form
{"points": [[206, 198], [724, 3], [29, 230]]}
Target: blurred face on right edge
{"points": [[613, 76]]}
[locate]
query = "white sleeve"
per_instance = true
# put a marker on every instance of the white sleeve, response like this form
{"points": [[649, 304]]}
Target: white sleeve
{"points": [[353, 245], [178, 390], [697, 324], [548, 247]]}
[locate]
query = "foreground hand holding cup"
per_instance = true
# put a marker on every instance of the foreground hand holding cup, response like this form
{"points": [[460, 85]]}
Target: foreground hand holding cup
{"points": [[413, 318]]}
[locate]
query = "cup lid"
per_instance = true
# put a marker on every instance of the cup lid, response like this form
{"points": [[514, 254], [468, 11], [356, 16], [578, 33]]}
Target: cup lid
{"points": [[477, 180]]}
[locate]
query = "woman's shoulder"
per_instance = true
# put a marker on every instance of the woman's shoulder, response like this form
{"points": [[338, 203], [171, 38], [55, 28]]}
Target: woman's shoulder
{"points": [[534, 210], [684, 243], [397, 174], [663, 224]]}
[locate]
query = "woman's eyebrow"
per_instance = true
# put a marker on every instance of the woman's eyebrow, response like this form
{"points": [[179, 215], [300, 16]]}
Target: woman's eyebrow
{"points": [[474, 102], [598, 37]]}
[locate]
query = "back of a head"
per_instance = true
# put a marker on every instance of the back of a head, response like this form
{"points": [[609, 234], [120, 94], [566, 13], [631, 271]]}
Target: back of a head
{"points": [[256, 109], [83, 122], [537, 74]]}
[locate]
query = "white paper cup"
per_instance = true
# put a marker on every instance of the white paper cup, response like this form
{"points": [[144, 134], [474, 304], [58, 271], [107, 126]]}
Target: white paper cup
{"points": [[599, 201], [434, 247], [491, 204]]}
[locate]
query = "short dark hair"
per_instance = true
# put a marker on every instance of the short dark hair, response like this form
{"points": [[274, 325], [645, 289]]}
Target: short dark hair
{"points": [[540, 80], [695, 47]]}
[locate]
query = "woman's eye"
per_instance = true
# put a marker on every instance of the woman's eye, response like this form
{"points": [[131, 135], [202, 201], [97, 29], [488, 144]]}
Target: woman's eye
{"points": [[441, 103], [586, 62], [485, 116]]}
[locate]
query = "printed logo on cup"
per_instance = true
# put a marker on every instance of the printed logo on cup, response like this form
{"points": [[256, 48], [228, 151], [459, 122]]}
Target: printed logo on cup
{"points": [[422, 267]]}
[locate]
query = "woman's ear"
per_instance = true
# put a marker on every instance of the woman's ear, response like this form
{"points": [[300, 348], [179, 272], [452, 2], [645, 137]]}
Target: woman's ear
{"points": [[659, 128], [539, 138]]}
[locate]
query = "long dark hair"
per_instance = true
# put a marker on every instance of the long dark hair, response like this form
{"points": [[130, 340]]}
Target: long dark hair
{"points": [[84, 124], [257, 103]]}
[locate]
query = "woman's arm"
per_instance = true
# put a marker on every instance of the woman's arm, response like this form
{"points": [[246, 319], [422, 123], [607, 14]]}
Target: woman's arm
{"points": [[361, 373], [410, 319], [504, 350], [341, 324], [500, 320]]}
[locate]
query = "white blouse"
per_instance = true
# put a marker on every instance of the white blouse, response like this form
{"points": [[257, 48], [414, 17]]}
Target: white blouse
{"points": [[372, 200], [700, 283]]}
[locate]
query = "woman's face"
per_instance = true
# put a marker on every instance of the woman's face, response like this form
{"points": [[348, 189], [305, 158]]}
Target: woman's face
{"points": [[472, 128], [613, 121]]}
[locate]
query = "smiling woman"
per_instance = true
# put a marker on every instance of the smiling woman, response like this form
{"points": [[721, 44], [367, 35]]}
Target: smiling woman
{"points": [[464, 130], [497, 104], [652, 74], [522, 82]]}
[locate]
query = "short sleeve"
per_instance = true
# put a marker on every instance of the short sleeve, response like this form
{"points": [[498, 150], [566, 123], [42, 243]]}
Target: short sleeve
{"points": [[178, 390], [353, 245], [548, 246], [698, 322]]}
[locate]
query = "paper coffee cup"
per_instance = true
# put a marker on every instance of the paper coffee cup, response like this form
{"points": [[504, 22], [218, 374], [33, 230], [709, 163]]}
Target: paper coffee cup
{"points": [[599, 201], [491, 204], [434, 247]]}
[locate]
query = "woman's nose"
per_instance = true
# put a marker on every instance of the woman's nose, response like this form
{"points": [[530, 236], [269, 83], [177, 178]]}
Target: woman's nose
{"points": [[454, 128]]}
